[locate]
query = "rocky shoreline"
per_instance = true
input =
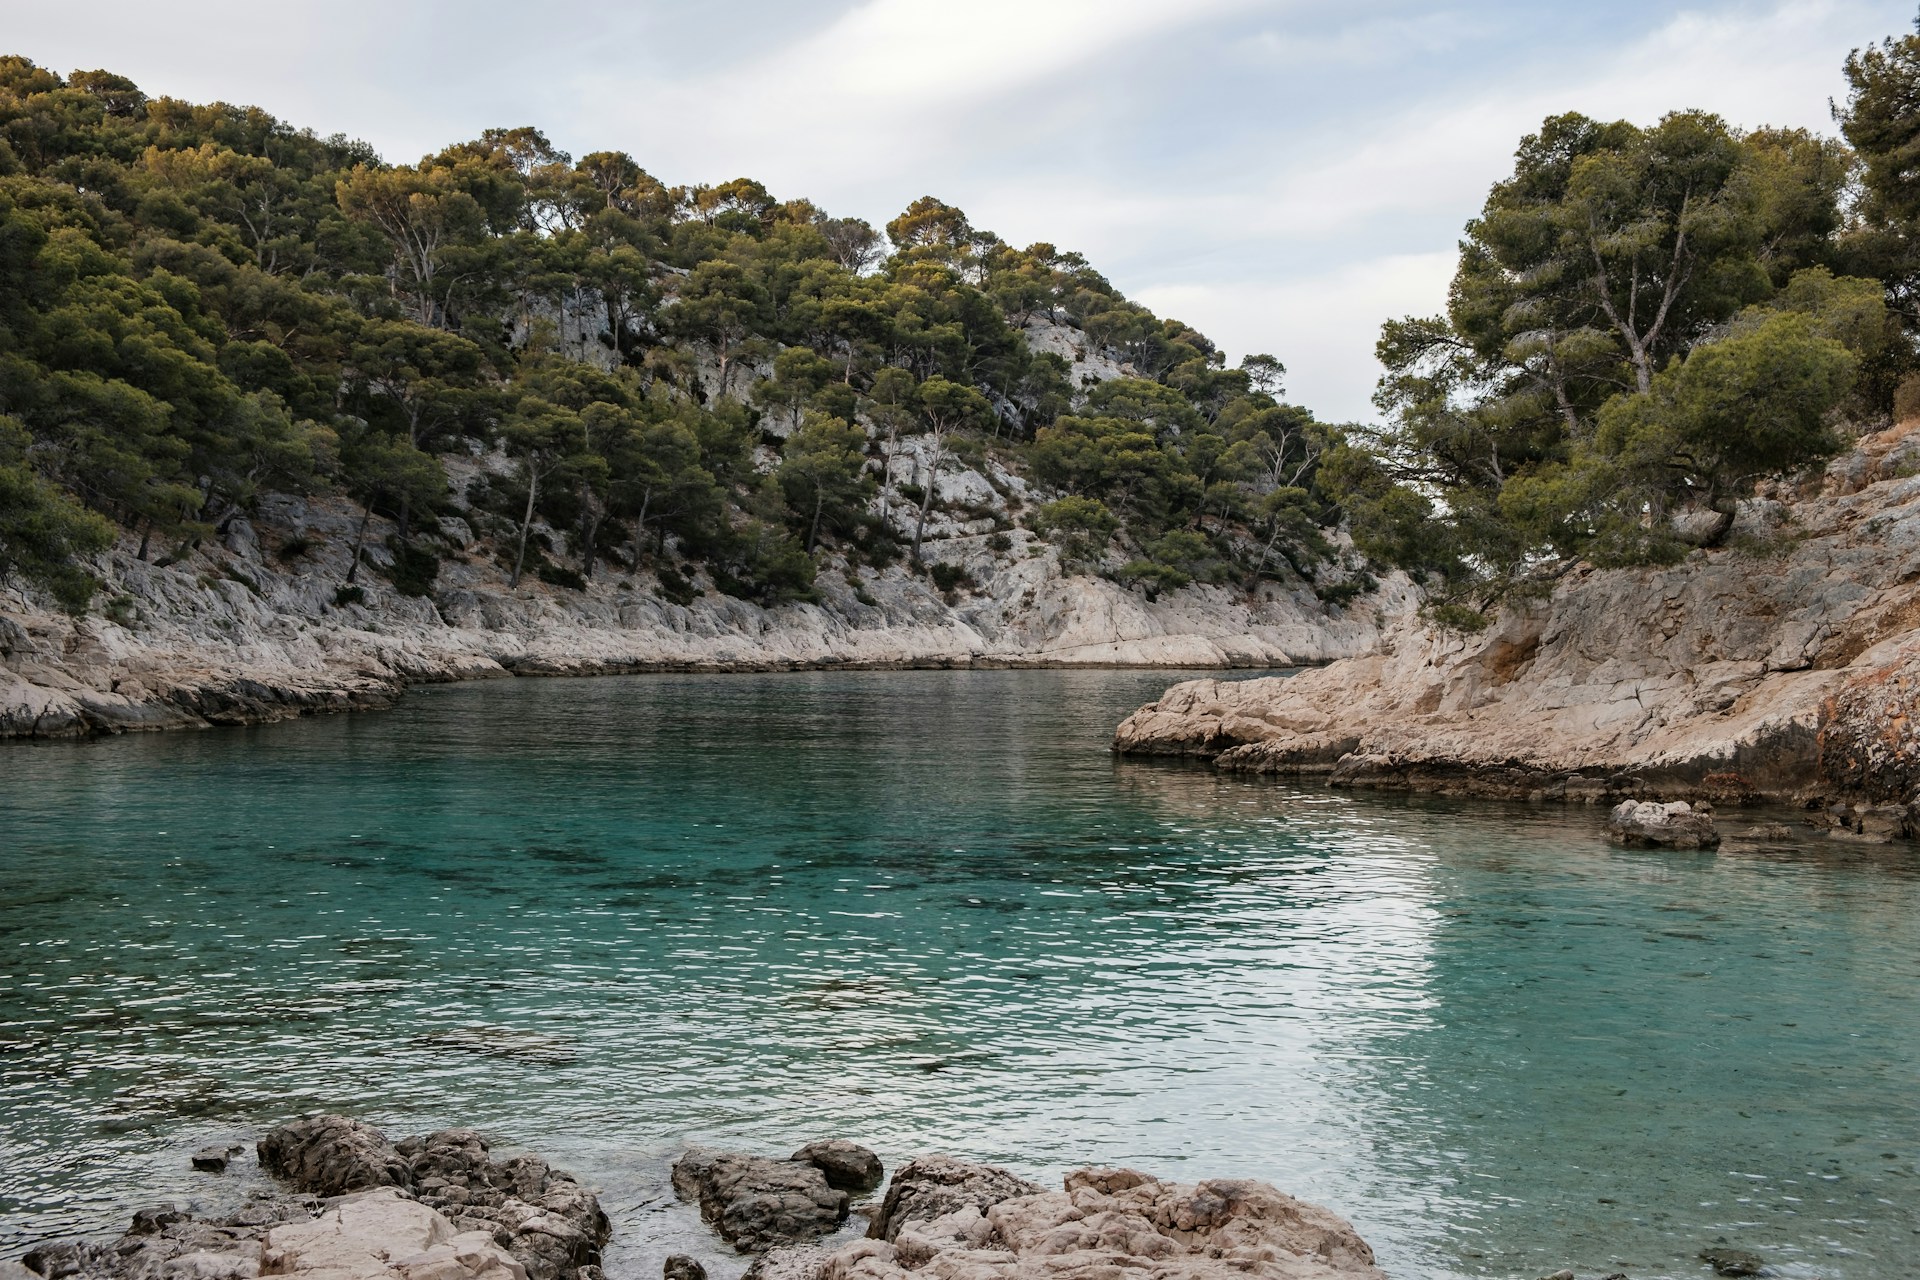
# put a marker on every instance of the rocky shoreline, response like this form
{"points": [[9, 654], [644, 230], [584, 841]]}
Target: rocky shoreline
{"points": [[351, 1205], [1780, 669], [245, 631]]}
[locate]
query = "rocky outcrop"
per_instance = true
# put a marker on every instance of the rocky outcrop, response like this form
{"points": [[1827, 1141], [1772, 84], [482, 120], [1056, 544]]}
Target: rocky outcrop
{"points": [[1781, 667], [331, 1155], [1648, 824], [756, 1203], [930, 1187], [430, 1208], [984, 1224], [553, 1227]]}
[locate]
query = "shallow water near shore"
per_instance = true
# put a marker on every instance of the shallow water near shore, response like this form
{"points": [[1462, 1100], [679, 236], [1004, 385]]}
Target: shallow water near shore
{"points": [[926, 910]]}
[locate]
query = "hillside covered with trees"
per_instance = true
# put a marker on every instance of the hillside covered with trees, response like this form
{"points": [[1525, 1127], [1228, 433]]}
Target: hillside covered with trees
{"points": [[201, 305]]}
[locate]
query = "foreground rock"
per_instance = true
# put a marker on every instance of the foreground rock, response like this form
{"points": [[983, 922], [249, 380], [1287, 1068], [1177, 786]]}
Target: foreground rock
{"points": [[1104, 1223], [932, 1187], [431, 1208], [1782, 668], [756, 1203], [1648, 824]]}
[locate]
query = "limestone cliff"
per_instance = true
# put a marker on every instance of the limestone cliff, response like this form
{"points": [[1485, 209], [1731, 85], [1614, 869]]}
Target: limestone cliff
{"points": [[1780, 667], [249, 629]]}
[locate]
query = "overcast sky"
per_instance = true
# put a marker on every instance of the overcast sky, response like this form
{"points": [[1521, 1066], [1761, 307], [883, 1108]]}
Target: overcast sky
{"points": [[1281, 174]]}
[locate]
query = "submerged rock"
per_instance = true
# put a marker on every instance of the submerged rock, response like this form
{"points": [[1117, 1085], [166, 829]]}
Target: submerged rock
{"points": [[1105, 1222], [756, 1203], [1648, 824], [215, 1159], [1731, 1262], [848, 1166]]}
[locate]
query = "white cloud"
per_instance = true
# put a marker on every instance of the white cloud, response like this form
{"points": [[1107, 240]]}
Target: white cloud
{"points": [[1322, 327]]}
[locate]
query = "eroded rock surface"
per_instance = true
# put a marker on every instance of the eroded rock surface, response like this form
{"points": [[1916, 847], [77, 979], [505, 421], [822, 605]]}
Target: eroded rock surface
{"points": [[930, 1187], [756, 1203], [331, 1155], [1104, 1223], [1782, 667]]}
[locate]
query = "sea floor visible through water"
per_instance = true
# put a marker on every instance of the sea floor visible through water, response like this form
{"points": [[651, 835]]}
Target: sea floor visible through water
{"points": [[602, 919]]}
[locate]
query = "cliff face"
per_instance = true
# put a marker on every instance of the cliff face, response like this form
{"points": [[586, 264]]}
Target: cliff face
{"points": [[242, 632], [1783, 667]]}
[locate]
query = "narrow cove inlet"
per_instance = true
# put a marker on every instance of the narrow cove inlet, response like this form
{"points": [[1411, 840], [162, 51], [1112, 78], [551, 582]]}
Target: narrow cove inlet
{"points": [[606, 919]]}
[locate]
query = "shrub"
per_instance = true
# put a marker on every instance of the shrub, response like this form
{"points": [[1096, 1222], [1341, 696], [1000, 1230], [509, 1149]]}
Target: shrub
{"points": [[677, 587], [1000, 543], [344, 596], [560, 576], [1152, 577], [1457, 617], [414, 570], [295, 547], [949, 577], [1081, 526]]}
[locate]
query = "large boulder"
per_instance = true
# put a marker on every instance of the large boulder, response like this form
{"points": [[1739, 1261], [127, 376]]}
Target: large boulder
{"points": [[930, 1187], [756, 1203], [1111, 1222], [330, 1155], [848, 1166], [1648, 824]]}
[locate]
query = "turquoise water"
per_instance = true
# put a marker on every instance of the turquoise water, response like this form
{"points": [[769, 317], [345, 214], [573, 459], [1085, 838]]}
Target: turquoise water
{"points": [[926, 910]]}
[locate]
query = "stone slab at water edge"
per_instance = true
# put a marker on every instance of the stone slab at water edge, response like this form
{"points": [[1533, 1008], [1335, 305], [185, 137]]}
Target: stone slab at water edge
{"points": [[1781, 668]]}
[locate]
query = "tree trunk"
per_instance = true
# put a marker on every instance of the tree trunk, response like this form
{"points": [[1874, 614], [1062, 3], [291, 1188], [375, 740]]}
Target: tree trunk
{"points": [[640, 527], [819, 501], [926, 496], [359, 541], [886, 475], [526, 523], [588, 546], [146, 537]]}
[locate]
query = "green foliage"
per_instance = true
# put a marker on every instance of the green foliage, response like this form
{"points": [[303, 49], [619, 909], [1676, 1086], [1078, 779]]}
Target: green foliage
{"points": [[949, 578], [200, 305], [1457, 617], [1080, 526], [43, 533], [1645, 322], [415, 568]]}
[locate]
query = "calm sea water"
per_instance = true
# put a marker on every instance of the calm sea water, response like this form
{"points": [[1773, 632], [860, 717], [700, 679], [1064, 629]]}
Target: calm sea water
{"points": [[605, 918]]}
